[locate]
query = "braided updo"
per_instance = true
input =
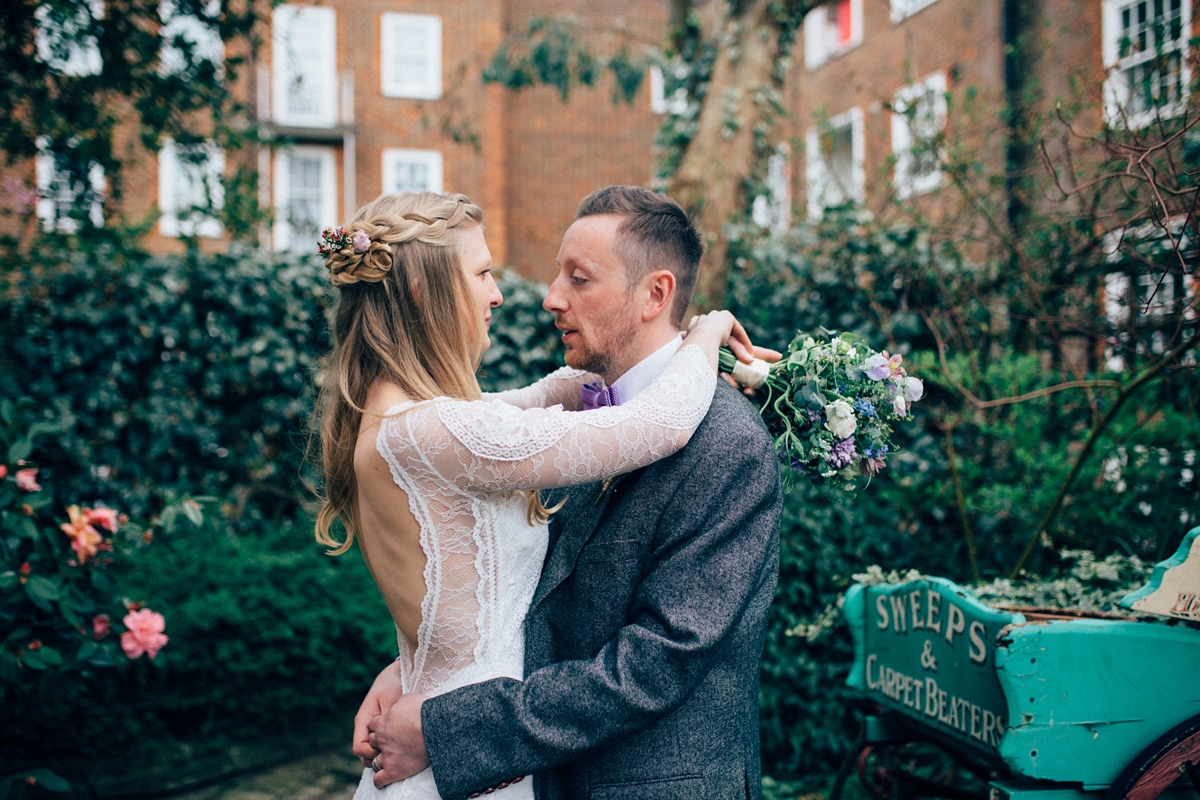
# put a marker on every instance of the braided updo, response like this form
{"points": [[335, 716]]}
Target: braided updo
{"points": [[425, 217]]}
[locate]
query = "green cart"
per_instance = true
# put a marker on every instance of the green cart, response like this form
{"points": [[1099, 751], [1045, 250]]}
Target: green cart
{"points": [[1063, 706]]}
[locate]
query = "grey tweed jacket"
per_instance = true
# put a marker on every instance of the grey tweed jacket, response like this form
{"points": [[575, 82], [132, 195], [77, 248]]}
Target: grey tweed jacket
{"points": [[644, 637]]}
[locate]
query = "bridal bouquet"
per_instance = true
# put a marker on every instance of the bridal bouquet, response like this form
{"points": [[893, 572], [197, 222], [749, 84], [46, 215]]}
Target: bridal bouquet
{"points": [[830, 406]]}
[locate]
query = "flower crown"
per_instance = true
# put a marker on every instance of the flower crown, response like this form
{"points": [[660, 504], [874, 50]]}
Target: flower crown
{"points": [[334, 240]]}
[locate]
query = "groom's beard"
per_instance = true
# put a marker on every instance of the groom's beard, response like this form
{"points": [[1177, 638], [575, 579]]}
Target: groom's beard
{"points": [[604, 353]]}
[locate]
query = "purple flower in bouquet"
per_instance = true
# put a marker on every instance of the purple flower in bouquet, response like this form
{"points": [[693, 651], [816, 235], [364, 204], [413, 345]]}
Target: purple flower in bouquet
{"points": [[843, 454]]}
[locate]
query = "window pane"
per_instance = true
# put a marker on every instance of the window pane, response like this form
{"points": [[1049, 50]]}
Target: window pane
{"points": [[410, 55]]}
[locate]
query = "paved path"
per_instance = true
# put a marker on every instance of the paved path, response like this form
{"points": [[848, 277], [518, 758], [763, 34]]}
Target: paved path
{"points": [[331, 775]]}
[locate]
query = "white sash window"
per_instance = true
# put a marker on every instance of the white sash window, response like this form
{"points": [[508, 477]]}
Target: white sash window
{"points": [[63, 197], [58, 42], [411, 56], [918, 116], [305, 197], [185, 30], [1145, 51], [774, 209], [902, 9], [831, 30], [190, 192], [833, 159], [304, 68], [411, 171]]}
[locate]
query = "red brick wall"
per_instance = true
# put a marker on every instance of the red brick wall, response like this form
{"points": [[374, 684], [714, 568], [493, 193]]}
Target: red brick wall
{"points": [[557, 153], [963, 38]]}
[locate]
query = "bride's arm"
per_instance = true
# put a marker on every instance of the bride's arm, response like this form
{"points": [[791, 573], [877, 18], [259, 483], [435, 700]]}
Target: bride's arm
{"points": [[560, 387], [482, 446]]}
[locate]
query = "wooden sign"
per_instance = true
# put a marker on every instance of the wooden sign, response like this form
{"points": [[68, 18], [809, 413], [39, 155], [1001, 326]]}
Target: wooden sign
{"points": [[927, 649], [1174, 588]]}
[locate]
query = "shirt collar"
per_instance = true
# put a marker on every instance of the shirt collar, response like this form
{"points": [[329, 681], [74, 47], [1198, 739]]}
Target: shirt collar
{"points": [[643, 373]]}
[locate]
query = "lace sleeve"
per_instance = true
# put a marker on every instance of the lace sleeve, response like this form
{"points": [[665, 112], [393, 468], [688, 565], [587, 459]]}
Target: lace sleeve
{"points": [[560, 387], [493, 446]]}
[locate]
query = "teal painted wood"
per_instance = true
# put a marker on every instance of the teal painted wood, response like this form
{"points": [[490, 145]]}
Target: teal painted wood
{"points": [[1174, 587], [1086, 696], [926, 649]]}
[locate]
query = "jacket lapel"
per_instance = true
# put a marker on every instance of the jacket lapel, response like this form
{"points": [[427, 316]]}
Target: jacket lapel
{"points": [[585, 505]]}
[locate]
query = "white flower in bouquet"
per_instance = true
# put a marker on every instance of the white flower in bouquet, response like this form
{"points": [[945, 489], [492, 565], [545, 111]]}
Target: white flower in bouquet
{"points": [[840, 419]]}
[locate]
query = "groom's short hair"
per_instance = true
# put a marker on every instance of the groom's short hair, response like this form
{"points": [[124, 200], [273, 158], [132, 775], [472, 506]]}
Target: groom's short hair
{"points": [[654, 234]]}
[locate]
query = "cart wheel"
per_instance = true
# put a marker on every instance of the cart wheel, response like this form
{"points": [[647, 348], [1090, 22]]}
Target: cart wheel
{"points": [[1175, 753]]}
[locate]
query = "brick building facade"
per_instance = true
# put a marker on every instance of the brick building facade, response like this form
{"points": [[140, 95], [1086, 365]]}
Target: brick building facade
{"points": [[874, 79], [369, 96]]}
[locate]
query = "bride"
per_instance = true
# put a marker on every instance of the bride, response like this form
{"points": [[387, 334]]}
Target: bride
{"points": [[438, 482]]}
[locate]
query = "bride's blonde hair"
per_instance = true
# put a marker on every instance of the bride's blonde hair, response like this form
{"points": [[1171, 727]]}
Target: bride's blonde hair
{"points": [[404, 317]]}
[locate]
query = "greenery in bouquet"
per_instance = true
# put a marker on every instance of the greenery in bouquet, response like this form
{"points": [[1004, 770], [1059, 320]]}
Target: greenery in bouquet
{"points": [[830, 406]]}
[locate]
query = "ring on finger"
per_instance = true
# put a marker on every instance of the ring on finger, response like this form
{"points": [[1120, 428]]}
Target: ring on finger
{"points": [[375, 764]]}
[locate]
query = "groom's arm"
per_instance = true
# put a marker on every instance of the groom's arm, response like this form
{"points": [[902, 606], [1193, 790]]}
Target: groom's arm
{"points": [[705, 572]]}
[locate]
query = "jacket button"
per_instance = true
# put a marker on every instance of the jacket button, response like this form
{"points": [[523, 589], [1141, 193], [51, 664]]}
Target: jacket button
{"points": [[518, 779], [473, 795]]}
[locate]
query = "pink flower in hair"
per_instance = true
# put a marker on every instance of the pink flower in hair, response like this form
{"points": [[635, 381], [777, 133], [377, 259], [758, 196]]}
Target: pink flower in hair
{"points": [[362, 242]]}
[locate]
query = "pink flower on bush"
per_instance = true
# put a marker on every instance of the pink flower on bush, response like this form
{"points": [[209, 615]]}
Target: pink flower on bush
{"points": [[101, 625], [145, 634], [3, 471], [27, 480], [104, 517], [85, 540]]}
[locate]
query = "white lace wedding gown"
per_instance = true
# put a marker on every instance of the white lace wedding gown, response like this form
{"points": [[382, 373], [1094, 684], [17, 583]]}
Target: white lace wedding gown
{"points": [[460, 463]]}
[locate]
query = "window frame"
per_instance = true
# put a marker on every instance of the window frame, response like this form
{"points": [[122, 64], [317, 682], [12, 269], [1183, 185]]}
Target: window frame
{"points": [[816, 171], [1116, 98], [774, 209], [324, 25], [393, 84], [83, 58], [676, 104], [903, 9], [817, 47], [284, 237], [433, 159], [176, 222], [905, 182], [206, 40], [46, 172]]}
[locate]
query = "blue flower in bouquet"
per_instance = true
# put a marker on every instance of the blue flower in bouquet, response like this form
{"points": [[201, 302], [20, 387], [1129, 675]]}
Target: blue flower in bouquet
{"points": [[874, 459], [843, 454], [865, 407]]}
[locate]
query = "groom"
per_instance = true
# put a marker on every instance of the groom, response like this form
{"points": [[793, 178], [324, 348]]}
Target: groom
{"points": [[645, 633]]}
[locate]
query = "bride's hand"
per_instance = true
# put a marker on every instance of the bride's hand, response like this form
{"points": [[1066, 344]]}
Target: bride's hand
{"points": [[725, 328], [385, 691]]}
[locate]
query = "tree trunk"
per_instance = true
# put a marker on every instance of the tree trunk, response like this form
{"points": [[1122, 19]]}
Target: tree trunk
{"points": [[710, 180]]}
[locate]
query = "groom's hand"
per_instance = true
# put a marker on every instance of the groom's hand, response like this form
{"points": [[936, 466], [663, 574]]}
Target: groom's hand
{"points": [[397, 736], [385, 691]]}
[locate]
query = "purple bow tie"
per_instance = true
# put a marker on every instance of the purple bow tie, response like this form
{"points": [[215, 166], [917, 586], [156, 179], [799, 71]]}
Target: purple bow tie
{"points": [[594, 396]]}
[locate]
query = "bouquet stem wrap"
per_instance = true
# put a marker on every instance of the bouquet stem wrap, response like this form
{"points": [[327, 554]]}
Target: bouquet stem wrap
{"points": [[829, 406]]}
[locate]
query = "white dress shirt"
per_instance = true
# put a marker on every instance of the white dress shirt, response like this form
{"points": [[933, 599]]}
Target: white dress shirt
{"points": [[643, 373]]}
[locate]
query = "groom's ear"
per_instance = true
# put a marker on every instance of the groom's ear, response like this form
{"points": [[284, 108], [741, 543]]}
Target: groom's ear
{"points": [[659, 291]]}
